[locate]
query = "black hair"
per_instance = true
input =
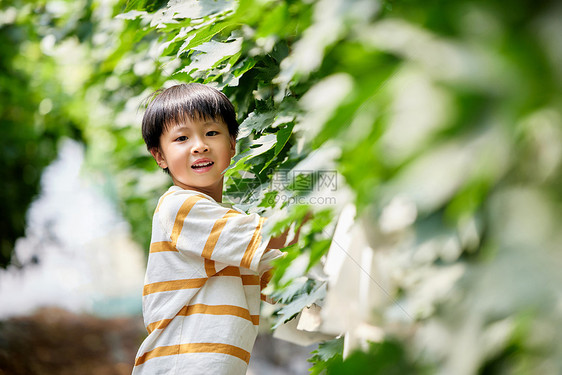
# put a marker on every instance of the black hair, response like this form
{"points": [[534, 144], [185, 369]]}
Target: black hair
{"points": [[194, 101]]}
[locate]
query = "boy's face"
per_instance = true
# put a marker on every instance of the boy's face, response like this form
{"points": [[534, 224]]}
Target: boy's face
{"points": [[196, 152]]}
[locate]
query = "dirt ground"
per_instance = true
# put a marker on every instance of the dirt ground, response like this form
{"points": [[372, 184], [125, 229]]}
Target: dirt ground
{"points": [[56, 342]]}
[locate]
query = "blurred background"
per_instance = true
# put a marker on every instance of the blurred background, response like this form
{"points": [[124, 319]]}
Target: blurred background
{"points": [[438, 251]]}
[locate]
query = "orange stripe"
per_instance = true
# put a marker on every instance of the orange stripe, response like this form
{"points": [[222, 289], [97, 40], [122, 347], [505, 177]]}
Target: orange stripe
{"points": [[166, 286], [210, 267], [235, 271], [252, 246], [157, 247], [208, 310], [181, 215], [160, 324], [265, 279], [194, 348], [215, 233], [255, 319], [229, 271], [217, 310], [250, 279], [162, 200]]}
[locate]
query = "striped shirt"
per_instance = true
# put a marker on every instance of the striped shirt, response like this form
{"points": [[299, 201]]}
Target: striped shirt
{"points": [[201, 298]]}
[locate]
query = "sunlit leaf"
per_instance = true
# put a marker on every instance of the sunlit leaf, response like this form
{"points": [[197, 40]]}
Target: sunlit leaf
{"points": [[302, 301]]}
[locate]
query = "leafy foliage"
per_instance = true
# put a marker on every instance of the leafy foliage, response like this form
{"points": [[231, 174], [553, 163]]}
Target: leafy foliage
{"points": [[385, 358], [35, 109], [328, 352]]}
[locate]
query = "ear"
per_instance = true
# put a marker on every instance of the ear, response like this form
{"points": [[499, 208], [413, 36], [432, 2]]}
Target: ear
{"points": [[232, 146], [159, 157]]}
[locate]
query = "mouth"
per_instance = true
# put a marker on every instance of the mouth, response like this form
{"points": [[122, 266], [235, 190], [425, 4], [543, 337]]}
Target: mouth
{"points": [[202, 166]]}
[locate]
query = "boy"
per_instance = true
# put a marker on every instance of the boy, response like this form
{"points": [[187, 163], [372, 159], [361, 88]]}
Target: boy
{"points": [[207, 261]]}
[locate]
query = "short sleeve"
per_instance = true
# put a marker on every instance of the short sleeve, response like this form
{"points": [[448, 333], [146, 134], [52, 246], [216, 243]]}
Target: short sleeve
{"points": [[198, 226]]}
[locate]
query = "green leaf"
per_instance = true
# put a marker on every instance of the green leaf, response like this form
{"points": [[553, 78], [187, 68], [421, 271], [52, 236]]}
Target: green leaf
{"points": [[295, 288], [281, 265], [147, 5], [255, 123], [204, 35], [329, 349], [328, 353], [257, 148], [384, 358], [243, 66], [135, 5], [317, 250], [283, 136], [296, 215], [201, 9], [209, 55], [297, 305], [274, 21], [269, 199], [172, 48]]}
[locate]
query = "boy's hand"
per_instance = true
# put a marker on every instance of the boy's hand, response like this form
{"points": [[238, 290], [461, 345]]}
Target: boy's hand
{"points": [[279, 241]]}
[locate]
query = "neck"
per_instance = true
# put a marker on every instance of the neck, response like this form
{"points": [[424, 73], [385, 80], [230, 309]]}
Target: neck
{"points": [[214, 192]]}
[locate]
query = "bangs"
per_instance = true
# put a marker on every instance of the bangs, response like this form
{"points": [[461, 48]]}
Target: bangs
{"points": [[186, 102], [183, 112]]}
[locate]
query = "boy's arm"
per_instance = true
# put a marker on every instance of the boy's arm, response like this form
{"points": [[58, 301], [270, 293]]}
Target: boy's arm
{"points": [[279, 241], [197, 227], [274, 243]]}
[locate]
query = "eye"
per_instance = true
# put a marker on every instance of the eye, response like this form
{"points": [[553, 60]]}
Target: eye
{"points": [[212, 131], [181, 138]]}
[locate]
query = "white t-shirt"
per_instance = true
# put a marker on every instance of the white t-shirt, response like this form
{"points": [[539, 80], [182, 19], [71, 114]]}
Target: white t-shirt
{"points": [[201, 298]]}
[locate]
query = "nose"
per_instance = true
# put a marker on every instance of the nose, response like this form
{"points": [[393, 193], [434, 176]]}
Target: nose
{"points": [[199, 146]]}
